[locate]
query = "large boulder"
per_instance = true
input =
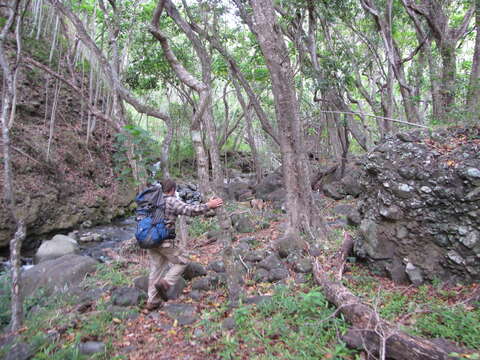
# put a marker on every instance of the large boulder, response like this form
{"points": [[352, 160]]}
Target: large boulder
{"points": [[57, 275], [419, 215], [269, 184], [58, 246]]}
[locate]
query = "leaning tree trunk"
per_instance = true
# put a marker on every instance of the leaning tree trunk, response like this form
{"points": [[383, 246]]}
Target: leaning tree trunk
{"points": [[301, 212], [7, 117]]}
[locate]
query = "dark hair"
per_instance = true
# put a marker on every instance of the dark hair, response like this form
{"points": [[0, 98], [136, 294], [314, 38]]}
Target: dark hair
{"points": [[168, 185]]}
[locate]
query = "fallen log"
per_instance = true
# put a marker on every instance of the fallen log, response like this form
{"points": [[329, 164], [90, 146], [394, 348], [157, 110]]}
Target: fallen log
{"points": [[369, 332]]}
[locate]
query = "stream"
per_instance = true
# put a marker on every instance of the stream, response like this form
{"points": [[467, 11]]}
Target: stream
{"points": [[102, 237]]}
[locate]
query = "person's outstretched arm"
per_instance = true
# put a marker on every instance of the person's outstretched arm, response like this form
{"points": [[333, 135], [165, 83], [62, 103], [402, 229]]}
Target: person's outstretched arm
{"points": [[176, 206]]}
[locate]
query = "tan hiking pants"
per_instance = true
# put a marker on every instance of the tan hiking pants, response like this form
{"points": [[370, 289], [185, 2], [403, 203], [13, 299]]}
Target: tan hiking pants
{"points": [[159, 259]]}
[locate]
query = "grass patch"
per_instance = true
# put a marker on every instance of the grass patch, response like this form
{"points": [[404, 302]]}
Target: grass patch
{"points": [[454, 323], [200, 226], [290, 326], [431, 310]]}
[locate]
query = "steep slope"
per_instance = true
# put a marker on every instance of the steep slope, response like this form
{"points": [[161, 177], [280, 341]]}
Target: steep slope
{"points": [[73, 183]]}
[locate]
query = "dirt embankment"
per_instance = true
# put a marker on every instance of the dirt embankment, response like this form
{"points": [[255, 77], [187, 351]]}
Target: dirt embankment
{"points": [[64, 182]]}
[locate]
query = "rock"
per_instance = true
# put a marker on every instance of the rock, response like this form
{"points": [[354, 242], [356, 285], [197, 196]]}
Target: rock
{"points": [[57, 275], [243, 247], [416, 205], [257, 300], [58, 246], [91, 237], [334, 190], [473, 195], [260, 276], [127, 296], [473, 173], [286, 244], [276, 197], [471, 240], [270, 262], [141, 283], [351, 183], [255, 256], [250, 240], [177, 289], [213, 235], [242, 223], [392, 212], [217, 266], [91, 347], [396, 271], [196, 295], [203, 284], [404, 191], [354, 218], [278, 274], [185, 314], [301, 278], [414, 274], [239, 191], [194, 270], [269, 184], [303, 266]]}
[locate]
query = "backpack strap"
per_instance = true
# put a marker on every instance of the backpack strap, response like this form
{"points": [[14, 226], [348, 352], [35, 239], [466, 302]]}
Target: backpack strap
{"points": [[159, 212]]}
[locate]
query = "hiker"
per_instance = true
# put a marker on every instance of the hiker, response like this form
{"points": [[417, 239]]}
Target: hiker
{"points": [[168, 251]]}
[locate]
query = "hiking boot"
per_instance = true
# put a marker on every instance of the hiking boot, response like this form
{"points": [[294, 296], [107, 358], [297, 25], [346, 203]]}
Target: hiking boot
{"points": [[152, 306], [162, 287]]}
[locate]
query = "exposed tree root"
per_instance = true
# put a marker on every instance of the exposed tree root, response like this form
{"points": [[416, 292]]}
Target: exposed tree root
{"points": [[369, 332]]}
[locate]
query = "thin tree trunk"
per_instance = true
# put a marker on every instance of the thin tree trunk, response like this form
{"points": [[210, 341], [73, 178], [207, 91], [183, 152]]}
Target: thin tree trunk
{"points": [[250, 137], [53, 117], [7, 113], [165, 154], [473, 96]]}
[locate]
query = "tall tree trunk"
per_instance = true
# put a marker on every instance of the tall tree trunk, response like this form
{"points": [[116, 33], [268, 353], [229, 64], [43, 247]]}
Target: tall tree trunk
{"points": [[446, 38], [7, 117], [473, 96], [165, 154], [203, 115], [250, 137], [301, 212], [392, 53]]}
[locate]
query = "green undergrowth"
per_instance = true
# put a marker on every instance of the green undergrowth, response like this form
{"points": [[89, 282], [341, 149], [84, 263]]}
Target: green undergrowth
{"points": [[291, 325], [54, 326], [430, 310]]}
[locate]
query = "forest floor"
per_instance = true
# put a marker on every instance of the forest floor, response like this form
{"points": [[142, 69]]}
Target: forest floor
{"points": [[286, 320]]}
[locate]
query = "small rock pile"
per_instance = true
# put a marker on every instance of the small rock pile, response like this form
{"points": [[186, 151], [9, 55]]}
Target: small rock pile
{"points": [[419, 215]]}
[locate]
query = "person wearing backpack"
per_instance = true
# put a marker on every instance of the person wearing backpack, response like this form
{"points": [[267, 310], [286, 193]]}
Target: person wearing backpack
{"points": [[169, 251]]}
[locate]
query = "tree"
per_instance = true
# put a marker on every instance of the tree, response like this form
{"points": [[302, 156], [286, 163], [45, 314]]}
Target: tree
{"points": [[202, 115], [301, 212], [446, 38], [8, 117], [473, 96]]}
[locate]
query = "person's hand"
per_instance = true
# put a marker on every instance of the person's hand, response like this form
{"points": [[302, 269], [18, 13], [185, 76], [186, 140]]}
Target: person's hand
{"points": [[214, 203]]}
